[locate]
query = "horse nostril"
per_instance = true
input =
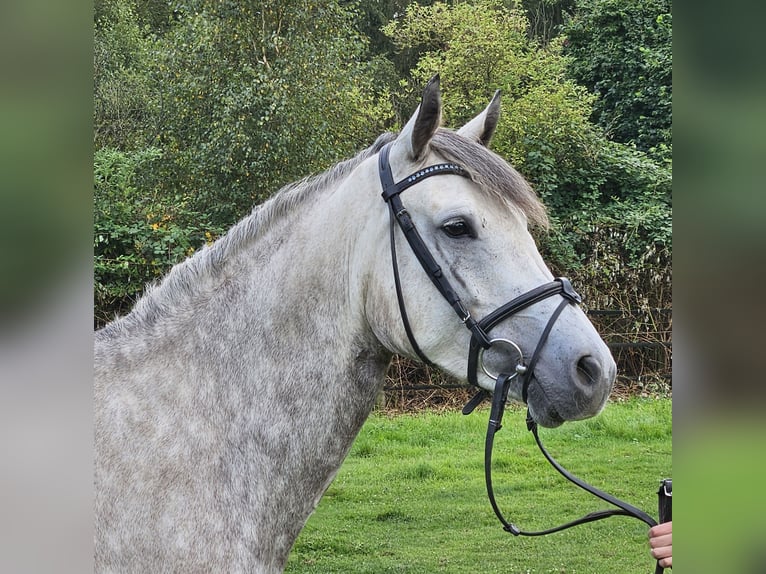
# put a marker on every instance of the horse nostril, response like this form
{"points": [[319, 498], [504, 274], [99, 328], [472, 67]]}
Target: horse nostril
{"points": [[589, 369]]}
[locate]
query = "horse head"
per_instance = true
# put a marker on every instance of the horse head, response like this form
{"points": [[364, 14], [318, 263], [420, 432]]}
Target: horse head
{"points": [[474, 222]]}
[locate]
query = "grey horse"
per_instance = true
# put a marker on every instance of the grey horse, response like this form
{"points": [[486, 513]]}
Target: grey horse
{"points": [[227, 399]]}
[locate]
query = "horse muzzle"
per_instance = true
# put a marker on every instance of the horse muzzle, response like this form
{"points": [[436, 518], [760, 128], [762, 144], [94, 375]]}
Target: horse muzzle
{"points": [[578, 389]]}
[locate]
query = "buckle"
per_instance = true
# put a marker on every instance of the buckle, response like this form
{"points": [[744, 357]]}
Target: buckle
{"points": [[568, 291]]}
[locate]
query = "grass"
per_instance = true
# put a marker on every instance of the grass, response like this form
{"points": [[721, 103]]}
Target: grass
{"points": [[410, 497]]}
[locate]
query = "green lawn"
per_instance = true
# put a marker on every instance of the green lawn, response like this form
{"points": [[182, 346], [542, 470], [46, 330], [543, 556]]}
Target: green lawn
{"points": [[410, 497]]}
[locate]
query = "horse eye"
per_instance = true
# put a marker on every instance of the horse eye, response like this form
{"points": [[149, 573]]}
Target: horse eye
{"points": [[457, 228]]}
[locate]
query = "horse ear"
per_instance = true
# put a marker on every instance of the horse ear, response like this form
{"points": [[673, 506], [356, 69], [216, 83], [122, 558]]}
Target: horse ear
{"points": [[423, 124], [482, 127]]}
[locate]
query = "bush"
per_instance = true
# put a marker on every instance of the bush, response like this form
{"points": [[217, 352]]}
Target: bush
{"points": [[138, 236], [622, 51]]}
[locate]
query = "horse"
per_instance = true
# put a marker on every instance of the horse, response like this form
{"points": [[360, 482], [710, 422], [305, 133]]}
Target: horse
{"points": [[227, 399]]}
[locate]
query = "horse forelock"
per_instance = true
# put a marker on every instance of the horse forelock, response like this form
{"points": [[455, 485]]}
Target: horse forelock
{"points": [[491, 173]]}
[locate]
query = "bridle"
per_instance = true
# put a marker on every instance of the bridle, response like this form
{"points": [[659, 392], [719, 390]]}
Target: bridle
{"points": [[481, 340]]}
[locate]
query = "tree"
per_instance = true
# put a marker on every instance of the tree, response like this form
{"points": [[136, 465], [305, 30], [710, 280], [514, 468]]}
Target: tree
{"points": [[546, 17], [609, 203], [213, 110], [120, 76], [622, 51], [253, 96]]}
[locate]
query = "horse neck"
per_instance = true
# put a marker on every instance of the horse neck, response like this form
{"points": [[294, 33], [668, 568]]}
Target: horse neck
{"points": [[255, 362], [278, 316]]}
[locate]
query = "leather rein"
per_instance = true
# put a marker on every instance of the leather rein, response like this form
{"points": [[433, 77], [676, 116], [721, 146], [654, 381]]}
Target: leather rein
{"points": [[481, 340]]}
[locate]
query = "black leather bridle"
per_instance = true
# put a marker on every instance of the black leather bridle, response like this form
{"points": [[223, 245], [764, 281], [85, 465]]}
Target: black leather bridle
{"points": [[481, 340]]}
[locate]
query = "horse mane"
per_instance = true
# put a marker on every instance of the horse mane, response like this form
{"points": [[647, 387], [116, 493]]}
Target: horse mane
{"points": [[187, 277], [490, 172], [286, 200]]}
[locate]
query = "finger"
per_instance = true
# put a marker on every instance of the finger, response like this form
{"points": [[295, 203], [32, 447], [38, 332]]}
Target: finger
{"points": [[657, 541], [662, 552], [660, 529]]}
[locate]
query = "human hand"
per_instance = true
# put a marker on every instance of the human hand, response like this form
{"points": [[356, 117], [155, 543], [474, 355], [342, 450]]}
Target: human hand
{"points": [[661, 543]]}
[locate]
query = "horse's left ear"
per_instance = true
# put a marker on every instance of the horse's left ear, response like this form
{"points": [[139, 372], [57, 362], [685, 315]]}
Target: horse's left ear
{"points": [[482, 127], [421, 127]]}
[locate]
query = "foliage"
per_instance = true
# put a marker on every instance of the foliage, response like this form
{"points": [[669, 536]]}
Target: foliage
{"points": [[372, 16], [622, 51], [254, 96], [410, 497], [609, 203], [546, 17], [121, 84], [616, 241], [136, 237], [239, 99]]}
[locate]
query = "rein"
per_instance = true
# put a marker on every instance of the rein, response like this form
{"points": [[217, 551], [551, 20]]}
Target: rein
{"points": [[499, 398], [480, 341]]}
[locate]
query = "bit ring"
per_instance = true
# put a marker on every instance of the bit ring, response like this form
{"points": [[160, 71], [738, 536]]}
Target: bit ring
{"points": [[520, 367]]}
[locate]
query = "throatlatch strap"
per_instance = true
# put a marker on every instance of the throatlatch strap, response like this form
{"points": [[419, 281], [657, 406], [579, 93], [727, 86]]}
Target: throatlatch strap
{"points": [[400, 299]]}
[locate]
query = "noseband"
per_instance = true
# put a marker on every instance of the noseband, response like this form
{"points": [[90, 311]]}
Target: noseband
{"points": [[481, 340]]}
